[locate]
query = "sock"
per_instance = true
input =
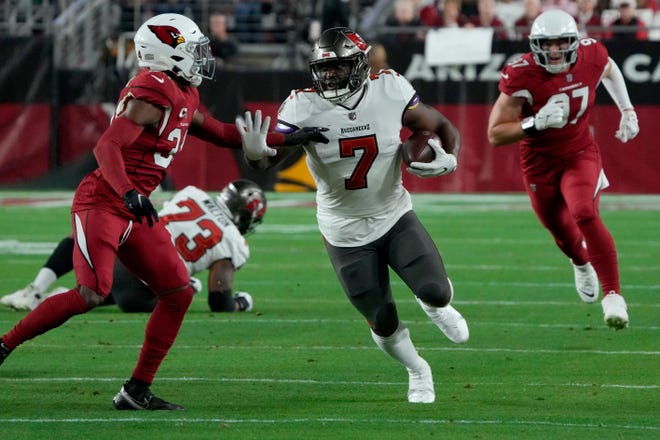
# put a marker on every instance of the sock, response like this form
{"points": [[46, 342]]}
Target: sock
{"points": [[44, 279], [400, 347], [161, 331], [61, 260], [602, 253], [135, 386], [51, 313], [59, 263]]}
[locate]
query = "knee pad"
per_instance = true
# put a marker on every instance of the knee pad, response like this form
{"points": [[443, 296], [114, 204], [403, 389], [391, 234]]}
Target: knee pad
{"points": [[584, 211], [436, 294], [180, 298]]}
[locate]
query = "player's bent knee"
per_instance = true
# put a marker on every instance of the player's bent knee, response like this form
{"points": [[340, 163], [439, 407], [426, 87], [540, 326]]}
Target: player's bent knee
{"points": [[90, 296], [180, 297], [584, 211], [436, 294]]}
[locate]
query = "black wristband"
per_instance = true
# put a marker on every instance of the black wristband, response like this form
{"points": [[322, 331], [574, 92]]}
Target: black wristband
{"points": [[528, 126]]}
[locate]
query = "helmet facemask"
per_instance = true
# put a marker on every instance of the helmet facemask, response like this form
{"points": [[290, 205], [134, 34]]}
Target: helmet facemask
{"points": [[201, 64], [554, 24], [339, 65], [542, 56], [173, 42]]}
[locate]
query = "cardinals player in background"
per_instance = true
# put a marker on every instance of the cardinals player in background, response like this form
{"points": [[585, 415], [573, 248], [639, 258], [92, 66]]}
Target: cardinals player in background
{"points": [[111, 212], [364, 213], [545, 102]]}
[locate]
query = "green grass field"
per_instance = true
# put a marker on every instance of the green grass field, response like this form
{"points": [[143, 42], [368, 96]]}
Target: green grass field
{"points": [[539, 365]]}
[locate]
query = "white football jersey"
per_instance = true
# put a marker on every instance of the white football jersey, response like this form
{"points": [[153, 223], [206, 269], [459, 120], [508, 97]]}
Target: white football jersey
{"points": [[202, 231], [360, 195]]}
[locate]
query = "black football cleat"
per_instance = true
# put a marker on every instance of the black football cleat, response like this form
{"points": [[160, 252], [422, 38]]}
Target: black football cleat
{"points": [[4, 352], [142, 400]]}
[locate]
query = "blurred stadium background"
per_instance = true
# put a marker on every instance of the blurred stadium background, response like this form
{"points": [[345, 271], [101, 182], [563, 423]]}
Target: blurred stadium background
{"points": [[68, 59]]}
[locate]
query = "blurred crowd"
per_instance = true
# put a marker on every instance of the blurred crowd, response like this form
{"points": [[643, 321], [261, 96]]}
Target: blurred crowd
{"points": [[280, 20], [235, 24], [512, 19], [268, 21]]}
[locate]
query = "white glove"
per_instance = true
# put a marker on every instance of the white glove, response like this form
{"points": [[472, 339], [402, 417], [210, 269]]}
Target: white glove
{"points": [[196, 284], [253, 136], [552, 115], [444, 163], [628, 127]]}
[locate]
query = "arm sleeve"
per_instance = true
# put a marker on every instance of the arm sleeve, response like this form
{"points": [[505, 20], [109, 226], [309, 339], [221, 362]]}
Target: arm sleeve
{"points": [[616, 87], [218, 133], [121, 132], [221, 301], [226, 135]]}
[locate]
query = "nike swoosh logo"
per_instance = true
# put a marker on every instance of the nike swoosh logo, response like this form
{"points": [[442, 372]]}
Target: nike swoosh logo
{"points": [[160, 80], [505, 75], [590, 295]]}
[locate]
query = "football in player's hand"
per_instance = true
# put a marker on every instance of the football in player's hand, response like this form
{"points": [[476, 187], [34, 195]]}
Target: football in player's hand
{"points": [[417, 149]]}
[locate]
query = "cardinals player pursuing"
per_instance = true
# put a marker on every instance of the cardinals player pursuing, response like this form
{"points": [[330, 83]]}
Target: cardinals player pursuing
{"points": [[364, 213], [545, 102], [111, 213]]}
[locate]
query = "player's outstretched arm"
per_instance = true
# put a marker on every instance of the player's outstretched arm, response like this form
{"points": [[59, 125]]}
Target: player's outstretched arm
{"points": [[225, 135]]}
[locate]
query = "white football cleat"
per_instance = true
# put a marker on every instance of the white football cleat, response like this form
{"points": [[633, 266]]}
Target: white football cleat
{"points": [[615, 311], [449, 321], [586, 282], [420, 385], [24, 299]]}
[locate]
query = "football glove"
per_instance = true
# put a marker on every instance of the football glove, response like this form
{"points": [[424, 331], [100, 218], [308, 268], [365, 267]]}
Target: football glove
{"points": [[253, 136], [444, 163], [306, 135], [196, 284], [551, 115], [140, 206], [628, 127]]}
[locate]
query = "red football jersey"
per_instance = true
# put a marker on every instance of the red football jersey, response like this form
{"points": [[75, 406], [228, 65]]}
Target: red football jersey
{"points": [[147, 159], [576, 87]]}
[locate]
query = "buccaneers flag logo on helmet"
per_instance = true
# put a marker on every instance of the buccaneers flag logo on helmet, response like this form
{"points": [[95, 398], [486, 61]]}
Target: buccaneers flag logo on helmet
{"points": [[168, 35]]}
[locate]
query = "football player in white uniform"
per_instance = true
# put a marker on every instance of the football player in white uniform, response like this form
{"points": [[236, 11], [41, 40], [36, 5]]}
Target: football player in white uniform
{"points": [[208, 233], [364, 213]]}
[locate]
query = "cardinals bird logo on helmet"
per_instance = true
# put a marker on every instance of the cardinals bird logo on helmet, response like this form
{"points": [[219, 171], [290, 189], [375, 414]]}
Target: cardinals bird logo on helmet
{"points": [[168, 35]]}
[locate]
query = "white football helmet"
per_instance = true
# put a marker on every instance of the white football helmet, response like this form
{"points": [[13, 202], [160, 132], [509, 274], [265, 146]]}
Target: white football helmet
{"points": [[339, 64], [553, 24], [173, 42]]}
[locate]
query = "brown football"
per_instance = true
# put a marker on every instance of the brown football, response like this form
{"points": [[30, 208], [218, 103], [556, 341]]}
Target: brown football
{"points": [[417, 149]]}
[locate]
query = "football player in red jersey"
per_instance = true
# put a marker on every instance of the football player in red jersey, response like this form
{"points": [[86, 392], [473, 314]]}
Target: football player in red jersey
{"points": [[545, 101], [111, 212]]}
